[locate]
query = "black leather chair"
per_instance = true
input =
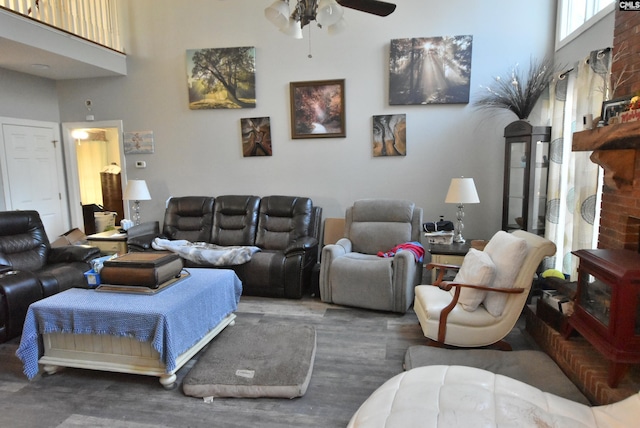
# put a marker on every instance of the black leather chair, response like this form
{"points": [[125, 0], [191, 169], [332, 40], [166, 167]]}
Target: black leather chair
{"points": [[30, 269]]}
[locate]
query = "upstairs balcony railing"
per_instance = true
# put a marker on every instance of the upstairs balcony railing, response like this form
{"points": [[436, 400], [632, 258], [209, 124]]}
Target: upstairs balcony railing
{"points": [[93, 20]]}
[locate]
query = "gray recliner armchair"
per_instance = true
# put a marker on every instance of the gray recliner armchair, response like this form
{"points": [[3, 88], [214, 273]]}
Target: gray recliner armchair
{"points": [[353, 274]]}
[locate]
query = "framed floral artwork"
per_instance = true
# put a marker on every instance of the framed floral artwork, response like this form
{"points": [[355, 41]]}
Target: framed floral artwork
{"points": [[221, 78], [138, 142], [430, 70], [390, 135], [318, 109], [256, 136]]}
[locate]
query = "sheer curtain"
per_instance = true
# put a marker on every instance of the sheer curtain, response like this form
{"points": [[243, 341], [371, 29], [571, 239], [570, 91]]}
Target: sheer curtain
{"points": [[575, 182]]}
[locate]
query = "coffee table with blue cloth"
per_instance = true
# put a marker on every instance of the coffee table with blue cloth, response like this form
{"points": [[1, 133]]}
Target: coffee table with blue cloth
{"points": [[132, 333]]}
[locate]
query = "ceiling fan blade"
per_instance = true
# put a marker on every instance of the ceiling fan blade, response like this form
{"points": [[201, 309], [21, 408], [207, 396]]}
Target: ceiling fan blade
{"points": [[375, 7]]}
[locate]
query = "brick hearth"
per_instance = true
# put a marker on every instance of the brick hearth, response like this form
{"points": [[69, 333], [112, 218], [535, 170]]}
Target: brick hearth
{"points": [[581, 362]]}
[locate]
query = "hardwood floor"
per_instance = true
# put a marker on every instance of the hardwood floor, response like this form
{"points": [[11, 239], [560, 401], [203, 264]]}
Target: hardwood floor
{"points": [[357, 350]]}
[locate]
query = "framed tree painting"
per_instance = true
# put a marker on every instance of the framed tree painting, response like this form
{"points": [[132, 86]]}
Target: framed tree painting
{"points": [[430, 70], [221, 78], [317, 109], [256, 136], [390, 135]]}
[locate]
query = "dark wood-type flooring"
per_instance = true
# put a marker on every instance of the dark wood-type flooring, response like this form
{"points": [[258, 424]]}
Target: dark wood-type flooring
{"points": [[357, 350]]}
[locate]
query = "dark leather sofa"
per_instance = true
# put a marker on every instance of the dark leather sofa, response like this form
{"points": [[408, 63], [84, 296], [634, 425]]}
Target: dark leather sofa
{"points": [[285, 228], [30, 269]]}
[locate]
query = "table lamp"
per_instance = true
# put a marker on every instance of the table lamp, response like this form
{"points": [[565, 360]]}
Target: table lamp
{"points": [[461, 191], [136, 191]]}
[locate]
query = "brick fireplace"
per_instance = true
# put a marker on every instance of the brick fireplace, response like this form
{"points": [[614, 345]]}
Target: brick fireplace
{"points": [[617, 147]]}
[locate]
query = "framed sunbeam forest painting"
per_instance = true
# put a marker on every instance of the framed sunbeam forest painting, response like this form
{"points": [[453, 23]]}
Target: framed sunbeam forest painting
{"points": [[430, 70], [221, 78]]}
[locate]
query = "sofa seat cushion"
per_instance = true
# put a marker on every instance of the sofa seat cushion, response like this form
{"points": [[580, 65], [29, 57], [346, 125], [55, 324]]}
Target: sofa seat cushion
{"points": [[458, 396], [58, 277], [438, 299]]}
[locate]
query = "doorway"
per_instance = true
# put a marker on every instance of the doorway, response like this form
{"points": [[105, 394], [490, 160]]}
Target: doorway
{"points": [[33, 171], [96, 171]]}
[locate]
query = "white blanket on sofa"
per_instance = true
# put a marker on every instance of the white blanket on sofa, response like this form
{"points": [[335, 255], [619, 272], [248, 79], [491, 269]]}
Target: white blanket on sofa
{"points": [[204, 253]]}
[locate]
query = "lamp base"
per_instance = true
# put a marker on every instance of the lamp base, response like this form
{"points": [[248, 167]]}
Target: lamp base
{"points": [[458, 239]]}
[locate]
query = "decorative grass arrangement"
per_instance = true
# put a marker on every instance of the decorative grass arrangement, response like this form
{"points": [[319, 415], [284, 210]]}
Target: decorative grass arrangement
{"points": [[518, 91]]}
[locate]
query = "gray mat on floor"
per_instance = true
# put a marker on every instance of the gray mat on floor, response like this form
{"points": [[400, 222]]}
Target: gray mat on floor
{"points": [[533, 367], [264, 360]]}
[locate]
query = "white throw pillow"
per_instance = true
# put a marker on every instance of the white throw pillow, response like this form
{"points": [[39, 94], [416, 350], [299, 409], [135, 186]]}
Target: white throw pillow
{"points": [[507, 253], [476, 269]]}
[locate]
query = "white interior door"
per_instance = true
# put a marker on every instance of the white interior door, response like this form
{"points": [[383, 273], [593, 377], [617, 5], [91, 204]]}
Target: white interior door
{"points": [[33, 172]]}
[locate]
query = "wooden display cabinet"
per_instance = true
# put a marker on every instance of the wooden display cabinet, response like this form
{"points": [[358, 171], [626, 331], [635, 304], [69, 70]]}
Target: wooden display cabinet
{"points": [[526, 171], [606, 307]]}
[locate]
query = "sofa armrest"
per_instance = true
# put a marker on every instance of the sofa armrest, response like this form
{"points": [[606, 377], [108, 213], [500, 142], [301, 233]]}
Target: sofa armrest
{"points": [[73, 253], [140, 237], [303, 244], [141, 242]]}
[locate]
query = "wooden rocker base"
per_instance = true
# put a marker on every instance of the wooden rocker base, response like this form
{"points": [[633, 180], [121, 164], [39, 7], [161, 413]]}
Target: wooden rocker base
{"points": [[500, 345]]}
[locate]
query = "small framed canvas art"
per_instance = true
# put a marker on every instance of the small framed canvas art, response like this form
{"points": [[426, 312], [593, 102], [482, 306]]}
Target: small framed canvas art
{"points": [[256, 136]]}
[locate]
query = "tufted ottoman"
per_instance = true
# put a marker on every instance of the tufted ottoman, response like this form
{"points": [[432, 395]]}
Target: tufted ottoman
{"points": [[458, 396]]}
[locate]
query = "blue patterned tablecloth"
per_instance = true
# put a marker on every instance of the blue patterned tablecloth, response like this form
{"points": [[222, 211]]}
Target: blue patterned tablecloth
{"points": [[174, 319]]}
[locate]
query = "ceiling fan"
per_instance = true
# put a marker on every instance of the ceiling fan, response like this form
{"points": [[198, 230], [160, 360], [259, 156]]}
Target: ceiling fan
{"points": [[327, 13], [375, 7]]}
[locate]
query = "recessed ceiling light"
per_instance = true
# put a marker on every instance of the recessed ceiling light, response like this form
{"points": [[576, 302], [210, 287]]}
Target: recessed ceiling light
{"points": [[40, 66]]}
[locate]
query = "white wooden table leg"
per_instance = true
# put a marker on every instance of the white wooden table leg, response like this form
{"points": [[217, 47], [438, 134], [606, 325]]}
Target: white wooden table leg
{"points": [[168, 381]]}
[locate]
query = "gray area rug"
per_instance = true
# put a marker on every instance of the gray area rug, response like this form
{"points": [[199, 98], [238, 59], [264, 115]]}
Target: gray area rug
{"points": [[533, 367], [264, 360]]}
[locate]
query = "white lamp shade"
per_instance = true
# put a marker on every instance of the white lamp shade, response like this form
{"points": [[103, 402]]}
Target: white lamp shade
{"points": [[337, 28], [293, 29], [136, 190], [329, 12], [278, 13], [462, 191]]}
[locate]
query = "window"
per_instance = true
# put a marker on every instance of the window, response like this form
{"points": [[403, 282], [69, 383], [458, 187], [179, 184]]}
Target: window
{"points": [[577, 15]]}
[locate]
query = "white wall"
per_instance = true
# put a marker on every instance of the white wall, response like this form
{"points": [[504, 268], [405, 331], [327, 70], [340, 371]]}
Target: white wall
{"points": [[28, 97], [199, 152]]}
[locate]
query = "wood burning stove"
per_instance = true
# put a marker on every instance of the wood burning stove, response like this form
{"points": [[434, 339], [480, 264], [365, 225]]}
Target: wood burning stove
{"points": [[607, 306]]}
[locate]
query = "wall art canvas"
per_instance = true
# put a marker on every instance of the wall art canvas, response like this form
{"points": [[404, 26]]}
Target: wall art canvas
{"points": [[317, 109], [390, 135], [221, 78], [256, 136], [430, 70], [138, 142]]}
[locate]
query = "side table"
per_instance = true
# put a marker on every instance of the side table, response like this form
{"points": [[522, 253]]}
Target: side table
{"points": [[452, 254], [109, 242]]}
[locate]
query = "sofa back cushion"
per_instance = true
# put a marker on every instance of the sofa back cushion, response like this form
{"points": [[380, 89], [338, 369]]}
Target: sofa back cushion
{"points": [[189, 218], [235, 220], [282, 220], [23, 241], [375, 225]]}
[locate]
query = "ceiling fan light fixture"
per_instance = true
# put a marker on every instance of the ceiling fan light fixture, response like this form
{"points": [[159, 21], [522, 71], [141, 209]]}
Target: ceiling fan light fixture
{"points": [[278, 13], [293, 29], [329, 12], [337, 28]]}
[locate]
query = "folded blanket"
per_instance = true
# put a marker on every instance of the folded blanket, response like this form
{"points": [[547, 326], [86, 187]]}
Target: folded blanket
{"points": [[204, 253], [415, 247]]}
